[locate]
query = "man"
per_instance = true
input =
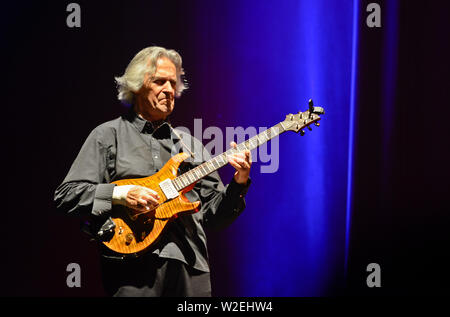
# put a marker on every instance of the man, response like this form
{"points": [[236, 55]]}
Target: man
{"points": [[137, 145]]}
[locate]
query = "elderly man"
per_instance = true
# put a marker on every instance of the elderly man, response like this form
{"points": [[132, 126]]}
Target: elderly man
{"points": [[138, 144]]}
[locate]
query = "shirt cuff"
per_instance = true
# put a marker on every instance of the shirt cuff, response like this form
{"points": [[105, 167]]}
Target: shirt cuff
{"points": [[120, 193], [103, 199], [238, 190]]}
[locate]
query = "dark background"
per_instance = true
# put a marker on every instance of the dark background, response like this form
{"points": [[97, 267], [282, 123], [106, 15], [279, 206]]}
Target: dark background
{"points": [[401, 187], [55, 84]]}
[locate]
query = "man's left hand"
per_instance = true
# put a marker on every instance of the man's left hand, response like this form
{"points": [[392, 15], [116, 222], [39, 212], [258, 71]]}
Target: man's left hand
{"points": [[241, 161]]}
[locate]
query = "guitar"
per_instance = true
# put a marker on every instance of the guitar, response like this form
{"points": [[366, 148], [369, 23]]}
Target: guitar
{"points": [[133, 233]]}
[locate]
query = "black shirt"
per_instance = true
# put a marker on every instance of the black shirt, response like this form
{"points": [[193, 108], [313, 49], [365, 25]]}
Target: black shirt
{"points": [[129, 147]]}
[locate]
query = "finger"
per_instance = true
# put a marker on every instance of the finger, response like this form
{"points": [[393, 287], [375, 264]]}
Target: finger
{"points": [[150, 203], [139, 205], [244, 164], [239, 160], [239, 155], [146, 207], [234, 164], [142, 202], [240, 166], [140, 210], [236, 159], [246, 155], [231, 158], [151, 197], [153, 202], [151, 193], [248, 159], [233, 144]]}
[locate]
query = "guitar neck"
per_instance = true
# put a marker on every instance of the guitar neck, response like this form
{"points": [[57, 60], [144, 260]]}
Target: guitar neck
{"points": [[220, 160]]}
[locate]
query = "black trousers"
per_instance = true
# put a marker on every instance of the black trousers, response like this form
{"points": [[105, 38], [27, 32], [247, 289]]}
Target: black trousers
{"points": [[151, 276]]}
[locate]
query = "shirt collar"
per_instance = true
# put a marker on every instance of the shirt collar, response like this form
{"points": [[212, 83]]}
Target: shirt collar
{"points": [[146, 127]]}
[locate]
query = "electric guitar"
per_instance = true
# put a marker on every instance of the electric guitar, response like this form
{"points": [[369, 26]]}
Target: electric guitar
{"points": [[133, 233]]}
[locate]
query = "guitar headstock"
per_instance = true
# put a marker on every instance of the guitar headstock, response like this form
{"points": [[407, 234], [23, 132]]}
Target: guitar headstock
{"points": [[297, 122]]}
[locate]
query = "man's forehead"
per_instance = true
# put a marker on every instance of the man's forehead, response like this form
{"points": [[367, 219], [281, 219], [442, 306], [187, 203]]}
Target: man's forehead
{"points": [[165, 68]]}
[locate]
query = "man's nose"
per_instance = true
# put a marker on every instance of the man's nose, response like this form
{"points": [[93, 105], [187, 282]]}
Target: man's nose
{"points": [[168, 89]]}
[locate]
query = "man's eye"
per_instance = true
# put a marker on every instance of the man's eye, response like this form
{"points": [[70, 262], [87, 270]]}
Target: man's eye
{"points": [[161, 82]]}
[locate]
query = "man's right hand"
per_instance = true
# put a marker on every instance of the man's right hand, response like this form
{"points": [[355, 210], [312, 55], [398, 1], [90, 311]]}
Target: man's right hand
{"points": [[139, 198]]}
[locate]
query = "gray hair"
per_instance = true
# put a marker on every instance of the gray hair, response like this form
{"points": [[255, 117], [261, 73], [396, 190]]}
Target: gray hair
{"points": [[133, 78]]}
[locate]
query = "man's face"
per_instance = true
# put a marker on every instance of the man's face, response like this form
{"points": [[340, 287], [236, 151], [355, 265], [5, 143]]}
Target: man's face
{"points": [[157, 95]]}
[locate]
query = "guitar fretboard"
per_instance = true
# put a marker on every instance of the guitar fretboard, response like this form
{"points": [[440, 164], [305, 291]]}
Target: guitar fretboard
{"points": [[220, 160]]}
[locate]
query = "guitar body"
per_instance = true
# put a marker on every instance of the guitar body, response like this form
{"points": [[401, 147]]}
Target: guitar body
{"points": [[133, 234]]}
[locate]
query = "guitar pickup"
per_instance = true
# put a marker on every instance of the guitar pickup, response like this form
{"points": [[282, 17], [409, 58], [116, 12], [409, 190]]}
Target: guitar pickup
{"points": [[168, 189]]}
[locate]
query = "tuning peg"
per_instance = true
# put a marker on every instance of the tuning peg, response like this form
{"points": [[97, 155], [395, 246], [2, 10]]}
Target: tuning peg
{"points": [[309, 128], [317, 124], [302, 133], [311, 106], [312, 109]]}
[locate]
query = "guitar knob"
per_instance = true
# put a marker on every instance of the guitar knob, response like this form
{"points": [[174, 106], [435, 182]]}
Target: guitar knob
{"points": [[317, 124], [128, 238]]}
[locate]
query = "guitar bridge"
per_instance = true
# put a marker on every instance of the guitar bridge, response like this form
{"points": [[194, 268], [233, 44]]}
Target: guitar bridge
{"points": [[168, 189]]}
